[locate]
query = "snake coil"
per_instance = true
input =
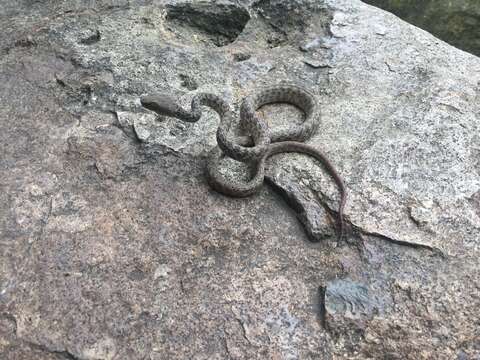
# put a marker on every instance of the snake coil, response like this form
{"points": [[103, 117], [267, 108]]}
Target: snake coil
{"points": [[259, 142]]}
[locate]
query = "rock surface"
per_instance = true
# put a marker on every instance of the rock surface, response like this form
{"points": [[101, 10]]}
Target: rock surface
{"points": [[113, 246], [456, 22]]}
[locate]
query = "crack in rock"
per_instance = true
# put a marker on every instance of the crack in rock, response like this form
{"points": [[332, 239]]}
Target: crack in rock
{"points": [[44, 348], [414, 245]]}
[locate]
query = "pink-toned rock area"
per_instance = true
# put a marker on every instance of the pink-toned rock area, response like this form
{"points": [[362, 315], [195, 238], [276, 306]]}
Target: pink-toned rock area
{"points": [[113, 246]]}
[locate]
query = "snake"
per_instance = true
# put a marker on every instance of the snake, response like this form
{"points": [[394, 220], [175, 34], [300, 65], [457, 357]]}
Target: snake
{"points": [[259, 142]]}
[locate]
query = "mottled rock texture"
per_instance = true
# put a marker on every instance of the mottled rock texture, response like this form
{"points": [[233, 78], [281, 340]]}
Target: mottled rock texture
{"points": [[112, 245], [457, 22]]}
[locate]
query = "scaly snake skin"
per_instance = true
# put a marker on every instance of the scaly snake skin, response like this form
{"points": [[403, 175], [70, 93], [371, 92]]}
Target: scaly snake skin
{"points": [[260, 142]]}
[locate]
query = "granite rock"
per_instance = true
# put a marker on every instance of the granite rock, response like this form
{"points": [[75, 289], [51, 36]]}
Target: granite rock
{"points": [[112, 245]]}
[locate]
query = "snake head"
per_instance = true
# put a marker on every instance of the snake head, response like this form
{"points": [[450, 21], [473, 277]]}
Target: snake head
{"points": [[162, 104]]}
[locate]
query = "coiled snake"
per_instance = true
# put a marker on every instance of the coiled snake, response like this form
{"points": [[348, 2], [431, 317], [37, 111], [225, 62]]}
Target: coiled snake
{"points": [[260, 142]]}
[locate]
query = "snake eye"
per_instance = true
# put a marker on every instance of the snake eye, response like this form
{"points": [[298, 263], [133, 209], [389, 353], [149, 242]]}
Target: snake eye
{"points": [[161, 104]]}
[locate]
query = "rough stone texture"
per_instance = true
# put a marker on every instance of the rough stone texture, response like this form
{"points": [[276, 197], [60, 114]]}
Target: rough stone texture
{"points": [[456, 22], [113, 246]]}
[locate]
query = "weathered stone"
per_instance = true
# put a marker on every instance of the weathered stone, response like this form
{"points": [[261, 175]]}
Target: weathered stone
{"points": [[113, 246], [90, 36], [222, 20], [347, 307]]}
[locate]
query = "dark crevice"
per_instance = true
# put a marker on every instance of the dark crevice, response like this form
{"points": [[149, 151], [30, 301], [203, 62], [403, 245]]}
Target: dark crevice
{"points": [[334, 217], [45, 219], [240, 56], [129, 131], [244, 332], [92, 38], [301, 213], [289, 21], [295, 206], [10, 318], [188, 82], [291, 201], [64, 354], [322, 311], [414, 220], [221, 21], [227, 350], [25, 42], [435, 250], [349, 229]]}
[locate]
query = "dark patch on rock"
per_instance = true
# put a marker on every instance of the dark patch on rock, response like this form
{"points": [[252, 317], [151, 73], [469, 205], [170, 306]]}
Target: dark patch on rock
{"points": [[290, 20], [241, 56], [188, 82], [222, 20], [27, 41], [78, 90], [317, 64], [347, 307], [90, 36], [137, 275], [348, 299], [316, 220]]}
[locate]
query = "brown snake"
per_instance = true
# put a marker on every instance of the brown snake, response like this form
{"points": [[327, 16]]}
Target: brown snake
{"points": [[260, 142]]}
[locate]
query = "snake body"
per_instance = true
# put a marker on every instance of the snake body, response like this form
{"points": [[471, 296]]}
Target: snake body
{"points": [[260, 142]]}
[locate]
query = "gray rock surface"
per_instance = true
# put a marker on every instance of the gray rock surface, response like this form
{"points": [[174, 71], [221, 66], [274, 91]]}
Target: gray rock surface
{"points": [[112, 245]]}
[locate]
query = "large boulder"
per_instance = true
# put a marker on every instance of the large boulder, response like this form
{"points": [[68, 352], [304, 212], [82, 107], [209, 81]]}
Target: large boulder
{"points": [[113, 246]]}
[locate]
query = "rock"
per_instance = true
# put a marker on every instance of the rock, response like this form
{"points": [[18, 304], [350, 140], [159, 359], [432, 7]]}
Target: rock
{"points": [[347, 298], [241, 56], [112, 244], [90, 36], [348, 307], [456, 22], [222, 20], [316, 63]]}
